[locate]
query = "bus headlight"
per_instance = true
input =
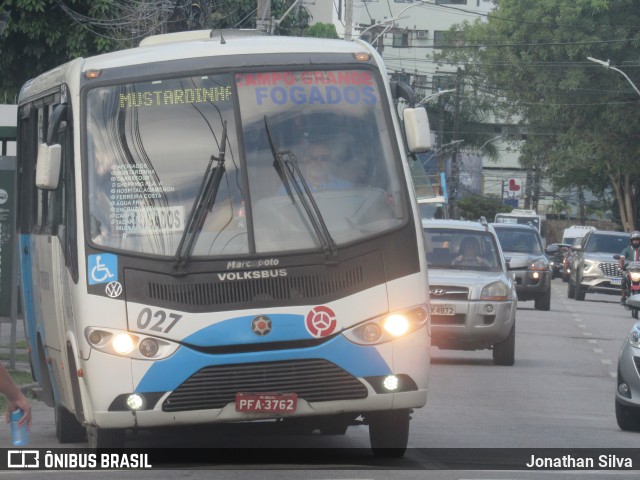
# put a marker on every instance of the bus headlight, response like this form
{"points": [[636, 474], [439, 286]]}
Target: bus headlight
{"points": [[135, 402], [123, 343], [388, 327], [396, 325], [127, 344]]}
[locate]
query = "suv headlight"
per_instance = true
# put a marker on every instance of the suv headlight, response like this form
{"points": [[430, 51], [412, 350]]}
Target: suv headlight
{"points": [[127, 344], [539, 264], [634, 336], [388, 327], [496, 291], [588, 266]]}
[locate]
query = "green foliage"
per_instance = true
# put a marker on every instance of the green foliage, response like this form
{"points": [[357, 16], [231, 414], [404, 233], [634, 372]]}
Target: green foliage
{"points": [[322, 30], [40, 36], [582, 120], [472, 207]]}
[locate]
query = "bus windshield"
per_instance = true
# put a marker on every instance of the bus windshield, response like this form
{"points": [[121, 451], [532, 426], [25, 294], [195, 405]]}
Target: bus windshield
{"points": [[149, 144]]}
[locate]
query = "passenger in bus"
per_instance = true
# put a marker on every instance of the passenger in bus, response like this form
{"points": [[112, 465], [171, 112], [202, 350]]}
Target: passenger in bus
{"points": [[469, 254], [15, 398]]}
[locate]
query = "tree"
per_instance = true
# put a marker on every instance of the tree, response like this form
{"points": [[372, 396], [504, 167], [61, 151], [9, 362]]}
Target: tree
{"points": [[39, 36], [582, 121], [322, 30], [42, 34]]}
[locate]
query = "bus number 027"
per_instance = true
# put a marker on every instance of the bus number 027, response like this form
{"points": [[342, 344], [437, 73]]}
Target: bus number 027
{"points": [[160, 316]]}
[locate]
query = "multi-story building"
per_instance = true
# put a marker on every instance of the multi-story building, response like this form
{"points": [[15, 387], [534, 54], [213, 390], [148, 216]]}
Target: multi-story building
{"points": [[406, 33]]}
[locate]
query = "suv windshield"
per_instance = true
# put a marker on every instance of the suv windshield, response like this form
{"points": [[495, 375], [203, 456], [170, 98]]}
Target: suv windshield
{"points": [[519, 240], [606, 243], [148, 145], [461, 249]]}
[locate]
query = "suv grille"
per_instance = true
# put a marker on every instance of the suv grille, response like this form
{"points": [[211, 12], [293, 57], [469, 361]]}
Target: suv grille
{"points": [[314, 380], [448, 292], [610, 269]]}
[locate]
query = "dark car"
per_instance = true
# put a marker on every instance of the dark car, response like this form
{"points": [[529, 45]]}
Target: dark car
{"points": [[527, 263], [594, 269], [566, 263], [556, 253]]}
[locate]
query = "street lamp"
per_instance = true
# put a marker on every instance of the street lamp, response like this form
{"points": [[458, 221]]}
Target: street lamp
{"points": [[607, 65], [389, 22], [489, 141], [454, 142], [428, 98]]}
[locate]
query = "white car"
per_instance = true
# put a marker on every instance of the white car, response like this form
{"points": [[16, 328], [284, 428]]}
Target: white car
{"points": [[473, 300]]}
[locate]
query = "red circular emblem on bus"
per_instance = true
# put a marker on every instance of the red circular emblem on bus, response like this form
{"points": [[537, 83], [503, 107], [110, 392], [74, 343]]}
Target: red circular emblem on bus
{"points": [[321, 321]]}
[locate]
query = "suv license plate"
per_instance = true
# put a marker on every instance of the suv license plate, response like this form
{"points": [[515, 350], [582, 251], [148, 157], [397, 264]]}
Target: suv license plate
{"points": [[443, 310], [266, 402], [615, 281]]}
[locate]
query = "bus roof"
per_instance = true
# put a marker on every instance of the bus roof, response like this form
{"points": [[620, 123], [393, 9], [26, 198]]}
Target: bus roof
{"points": [[185, 45], [156, 50]]}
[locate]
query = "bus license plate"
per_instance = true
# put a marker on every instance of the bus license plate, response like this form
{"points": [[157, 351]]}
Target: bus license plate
{"points": [[443, 310], [266, 402], [615, 281]]}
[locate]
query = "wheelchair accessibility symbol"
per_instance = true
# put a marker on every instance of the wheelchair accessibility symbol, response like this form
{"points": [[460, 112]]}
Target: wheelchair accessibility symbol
{"points": [[102, 268]]}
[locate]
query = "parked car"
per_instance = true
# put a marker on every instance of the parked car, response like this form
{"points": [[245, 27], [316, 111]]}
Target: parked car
{"points": [[627, 399], [593, 267], [473, 300], [556, 253], [530, 268], [566, 263]]}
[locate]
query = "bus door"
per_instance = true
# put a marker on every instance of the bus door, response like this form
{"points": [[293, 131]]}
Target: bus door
{"points": [[55, 245]]}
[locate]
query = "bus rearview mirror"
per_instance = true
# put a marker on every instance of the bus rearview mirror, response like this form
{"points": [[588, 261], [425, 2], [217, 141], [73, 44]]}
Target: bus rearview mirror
{"points": [[48, 166], [416, 127]]}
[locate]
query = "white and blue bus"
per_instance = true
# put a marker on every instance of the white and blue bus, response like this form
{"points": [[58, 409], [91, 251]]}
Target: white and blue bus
{"points": [[181, 265]]}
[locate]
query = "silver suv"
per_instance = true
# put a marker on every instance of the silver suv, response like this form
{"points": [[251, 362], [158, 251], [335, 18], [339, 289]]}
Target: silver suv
{"points": [[472, 298], [593, 266]]}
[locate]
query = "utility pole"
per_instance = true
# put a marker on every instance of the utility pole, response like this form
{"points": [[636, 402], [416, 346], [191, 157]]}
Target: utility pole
{"points": [[263, 19], [455, 172], [348, 19]]}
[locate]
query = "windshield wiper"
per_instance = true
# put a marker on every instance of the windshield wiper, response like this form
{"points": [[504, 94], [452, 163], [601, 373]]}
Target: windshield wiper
{"points": [[205, 199], [287, 167]]}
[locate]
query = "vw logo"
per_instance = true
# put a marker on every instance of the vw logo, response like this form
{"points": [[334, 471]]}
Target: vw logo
{"points": [[261, 325], [437, 291], [113, 289]]}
